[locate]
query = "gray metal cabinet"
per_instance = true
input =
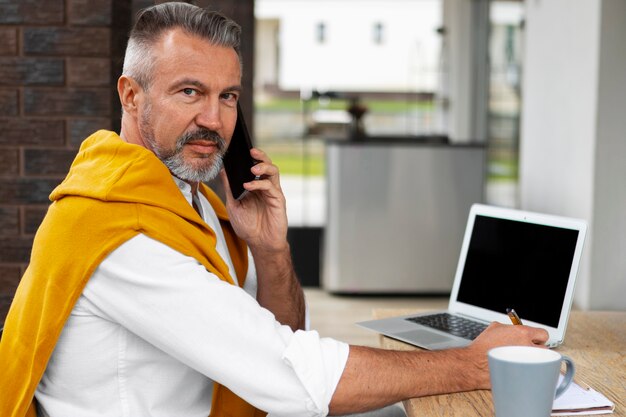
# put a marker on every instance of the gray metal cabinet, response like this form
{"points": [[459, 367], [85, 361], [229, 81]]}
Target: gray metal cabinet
{"points": [[396, 214]]}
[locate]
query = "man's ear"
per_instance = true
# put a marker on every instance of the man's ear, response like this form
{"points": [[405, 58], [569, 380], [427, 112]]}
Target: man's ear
{"points": [[129, 92]]}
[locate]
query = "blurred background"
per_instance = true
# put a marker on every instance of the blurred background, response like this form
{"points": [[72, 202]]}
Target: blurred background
{"points": [[367, 106]]}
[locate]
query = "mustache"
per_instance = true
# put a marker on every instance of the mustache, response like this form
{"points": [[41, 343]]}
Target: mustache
{"points": [[203, 134]]}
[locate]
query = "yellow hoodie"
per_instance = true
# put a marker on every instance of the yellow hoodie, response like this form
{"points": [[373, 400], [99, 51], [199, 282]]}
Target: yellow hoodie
{"points": [[113, 191]]}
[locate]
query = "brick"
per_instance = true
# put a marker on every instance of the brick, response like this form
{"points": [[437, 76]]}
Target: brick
{"points": [[67, 102], [9, 105], [32, 71], [90, 12], [32, 11], [26, 190], [121, 22], [33, 216], [15, 249], [67, 41], [32, 132], [9, 279], [81, 129], [9, 221], [8, 41], [48, 161], [94, 72], [9, 162]]}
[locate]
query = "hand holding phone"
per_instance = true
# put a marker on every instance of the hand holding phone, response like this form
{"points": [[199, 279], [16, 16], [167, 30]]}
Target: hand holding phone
{"points": [[237, 161], [259, 219]]}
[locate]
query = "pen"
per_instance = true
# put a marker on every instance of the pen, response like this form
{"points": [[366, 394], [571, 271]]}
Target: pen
{"points": [[513, 316]]}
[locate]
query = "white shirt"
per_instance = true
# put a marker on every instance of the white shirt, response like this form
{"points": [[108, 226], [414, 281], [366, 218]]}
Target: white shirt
{"points": [[153, 329]]}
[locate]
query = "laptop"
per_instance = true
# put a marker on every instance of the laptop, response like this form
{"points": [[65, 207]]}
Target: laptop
{"points": [[510, 259]]}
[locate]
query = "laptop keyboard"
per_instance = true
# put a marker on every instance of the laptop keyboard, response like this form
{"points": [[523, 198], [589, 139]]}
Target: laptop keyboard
{"points": [[455, 325]]}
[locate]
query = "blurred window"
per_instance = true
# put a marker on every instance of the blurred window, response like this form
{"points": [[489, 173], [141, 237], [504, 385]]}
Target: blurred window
{"points": [[304, 84], [378, 33], [320, 31]]}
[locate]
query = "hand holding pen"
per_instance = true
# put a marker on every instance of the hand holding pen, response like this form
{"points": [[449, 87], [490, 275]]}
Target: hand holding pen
{"points": [[514, 317]]}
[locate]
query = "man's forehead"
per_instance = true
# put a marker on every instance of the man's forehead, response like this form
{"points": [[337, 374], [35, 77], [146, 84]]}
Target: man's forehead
{"points": [[178, 54], [174, 37], [176, 41]]}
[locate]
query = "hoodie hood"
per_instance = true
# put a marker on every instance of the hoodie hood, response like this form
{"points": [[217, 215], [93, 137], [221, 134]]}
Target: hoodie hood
{"points": [[113, 192], [107, 168]]}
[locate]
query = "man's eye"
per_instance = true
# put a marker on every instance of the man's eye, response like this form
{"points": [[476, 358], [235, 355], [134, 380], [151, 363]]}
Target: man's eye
{"points": [[189, 91], [230, 96]]}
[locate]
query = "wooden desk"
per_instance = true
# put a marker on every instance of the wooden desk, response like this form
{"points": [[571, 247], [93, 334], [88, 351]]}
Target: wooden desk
{"points": [[596, 341]]}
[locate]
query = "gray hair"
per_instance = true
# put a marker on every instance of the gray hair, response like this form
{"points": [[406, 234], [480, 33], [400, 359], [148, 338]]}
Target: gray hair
{"points": [[154, 21]]}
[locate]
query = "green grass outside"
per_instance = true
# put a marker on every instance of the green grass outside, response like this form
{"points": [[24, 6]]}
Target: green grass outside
{"points": [[293, 164], [501, 167], [502, 170], [296, 105], [290, 162]]}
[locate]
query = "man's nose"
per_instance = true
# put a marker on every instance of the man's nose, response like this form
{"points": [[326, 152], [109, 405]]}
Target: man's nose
{"points": [[210, 116]]}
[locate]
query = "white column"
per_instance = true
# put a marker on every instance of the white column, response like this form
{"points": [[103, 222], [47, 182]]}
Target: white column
{"points": [[466, 73], [573, 133]]}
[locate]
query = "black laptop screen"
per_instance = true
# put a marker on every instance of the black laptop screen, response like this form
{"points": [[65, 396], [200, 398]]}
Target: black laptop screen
{"points": [[513, 264]]}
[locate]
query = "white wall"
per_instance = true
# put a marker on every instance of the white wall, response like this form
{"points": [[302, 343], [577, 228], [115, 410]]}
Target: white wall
{"points": [[573, 132], [465, 75], [609, 251], [349, 60], [266, 65]]}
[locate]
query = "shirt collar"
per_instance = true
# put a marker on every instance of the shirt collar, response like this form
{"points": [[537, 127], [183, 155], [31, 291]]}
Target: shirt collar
{"points": [[185, 189]]}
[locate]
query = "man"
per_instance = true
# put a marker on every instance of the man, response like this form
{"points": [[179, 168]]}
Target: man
{"points": [[145, 298]]}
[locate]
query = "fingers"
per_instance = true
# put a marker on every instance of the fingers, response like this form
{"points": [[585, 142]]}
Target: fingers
{"points": [[529, 335], [498, 334], [259, 155], [265, 167], [266, 171], [270, 187], [539, 336]]}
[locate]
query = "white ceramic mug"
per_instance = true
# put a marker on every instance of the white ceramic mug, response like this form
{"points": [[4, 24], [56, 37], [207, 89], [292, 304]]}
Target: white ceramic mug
{"points": [[524, 378]]}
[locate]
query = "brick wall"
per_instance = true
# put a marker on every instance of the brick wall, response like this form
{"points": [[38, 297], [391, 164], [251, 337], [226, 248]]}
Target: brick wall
{"points": [[59, 63], [55, 87]]}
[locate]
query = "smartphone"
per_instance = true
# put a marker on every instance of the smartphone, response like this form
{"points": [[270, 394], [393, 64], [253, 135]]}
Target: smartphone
{"points": [[237, 160]]}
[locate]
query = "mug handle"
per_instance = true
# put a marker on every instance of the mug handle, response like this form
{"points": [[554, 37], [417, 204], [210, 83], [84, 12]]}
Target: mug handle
{"points": [[568, 377]]}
